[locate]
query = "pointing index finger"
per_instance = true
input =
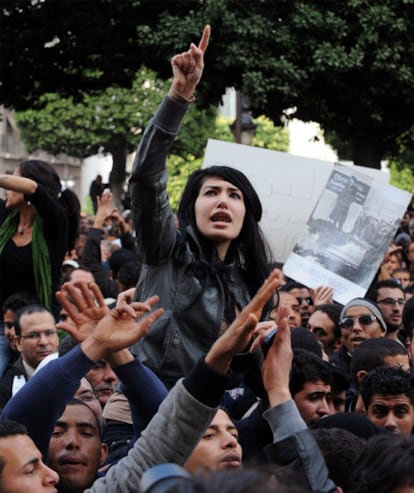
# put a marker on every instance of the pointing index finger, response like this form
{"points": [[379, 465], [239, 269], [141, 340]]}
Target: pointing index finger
{"points": [[205, 38]]}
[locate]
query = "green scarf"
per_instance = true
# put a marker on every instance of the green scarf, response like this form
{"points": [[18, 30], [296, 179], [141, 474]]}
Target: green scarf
{"points": [[40, 254]]}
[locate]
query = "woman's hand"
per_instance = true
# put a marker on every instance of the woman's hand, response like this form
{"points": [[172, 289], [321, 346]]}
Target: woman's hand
{"points": [[187, 69]]}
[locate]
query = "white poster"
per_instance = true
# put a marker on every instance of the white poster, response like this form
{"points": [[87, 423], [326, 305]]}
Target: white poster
{"points": [[348, 233]]}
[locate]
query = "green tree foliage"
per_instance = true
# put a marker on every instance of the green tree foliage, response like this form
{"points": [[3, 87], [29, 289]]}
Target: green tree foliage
{"points": [[346, 64], [68, 47], [267, 135], [111, 120], [401, 164]]}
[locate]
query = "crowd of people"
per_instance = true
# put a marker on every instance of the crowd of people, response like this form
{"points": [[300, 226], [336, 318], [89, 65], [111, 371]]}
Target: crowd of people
{"points": [[153, 350]]}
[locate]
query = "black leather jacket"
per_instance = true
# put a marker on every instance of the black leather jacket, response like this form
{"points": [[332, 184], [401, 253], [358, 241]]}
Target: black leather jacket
{"points": [[174, 265]]}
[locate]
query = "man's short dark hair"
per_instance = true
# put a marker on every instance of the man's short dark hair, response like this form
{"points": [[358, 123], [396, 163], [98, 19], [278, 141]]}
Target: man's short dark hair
{"points": [[386, 462], [292, 285], [408, 318], [128, 274], [387, 381], [341, 450], [307, 367], [372, 293], [18, 300], [333, 311], [371, 354], [263, 479], [119, 258], [9, 428], [27, 310]]}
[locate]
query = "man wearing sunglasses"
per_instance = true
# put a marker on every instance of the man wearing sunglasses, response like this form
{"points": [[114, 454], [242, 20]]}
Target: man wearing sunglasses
{"points": [[303, 297], [360, 319], [390, 297]]}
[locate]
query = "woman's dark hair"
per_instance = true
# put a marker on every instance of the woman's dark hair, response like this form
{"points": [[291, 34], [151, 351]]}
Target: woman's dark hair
{"points": [[249, 249], [44, 174]]}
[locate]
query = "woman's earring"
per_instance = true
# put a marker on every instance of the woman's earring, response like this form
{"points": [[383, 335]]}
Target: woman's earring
{"points": [[29, 203]]}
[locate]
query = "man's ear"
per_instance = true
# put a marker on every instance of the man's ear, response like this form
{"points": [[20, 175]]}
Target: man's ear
{"points": [[337, 344], [104, 453], [361, 375], [18, 341], [340, 490]]}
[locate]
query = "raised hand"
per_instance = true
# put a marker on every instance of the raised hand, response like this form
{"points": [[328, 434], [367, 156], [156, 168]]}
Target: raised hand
{"points": [[240, 332], [120, 328], [322, 295], [188, 67], [125, 297], [261, 332], [105, 209], [276, 367], [85, 305]]}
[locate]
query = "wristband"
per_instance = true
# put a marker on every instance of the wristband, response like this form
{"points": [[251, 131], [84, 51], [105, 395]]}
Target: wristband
{"points": [[177, 95]]}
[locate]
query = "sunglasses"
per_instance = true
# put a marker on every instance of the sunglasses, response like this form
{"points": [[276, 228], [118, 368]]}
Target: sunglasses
{"points": [[349, 322], [308, 299]]}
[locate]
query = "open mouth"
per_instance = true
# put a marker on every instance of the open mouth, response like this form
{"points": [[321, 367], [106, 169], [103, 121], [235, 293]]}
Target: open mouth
{"points": [[232, 460], [221, 217], [357, 340]]}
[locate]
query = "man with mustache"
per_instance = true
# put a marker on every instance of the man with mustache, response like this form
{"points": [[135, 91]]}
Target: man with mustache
{"points": [[103, 380], [76, 450]]}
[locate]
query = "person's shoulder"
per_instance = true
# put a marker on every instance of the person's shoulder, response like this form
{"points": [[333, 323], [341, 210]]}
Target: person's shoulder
{"points": [[8, 376], [16, 368]]}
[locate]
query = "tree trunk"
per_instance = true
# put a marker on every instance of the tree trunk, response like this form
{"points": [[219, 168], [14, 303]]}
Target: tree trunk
{"points": [[117, 176], [367, 141]]}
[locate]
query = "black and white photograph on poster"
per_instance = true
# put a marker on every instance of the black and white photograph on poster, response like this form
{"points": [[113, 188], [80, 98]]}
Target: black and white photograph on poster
{"points": [[348, 233]]}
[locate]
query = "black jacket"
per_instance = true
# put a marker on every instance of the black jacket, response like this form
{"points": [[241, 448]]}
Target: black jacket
{"points": [[174, 265], [6, 382]]}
